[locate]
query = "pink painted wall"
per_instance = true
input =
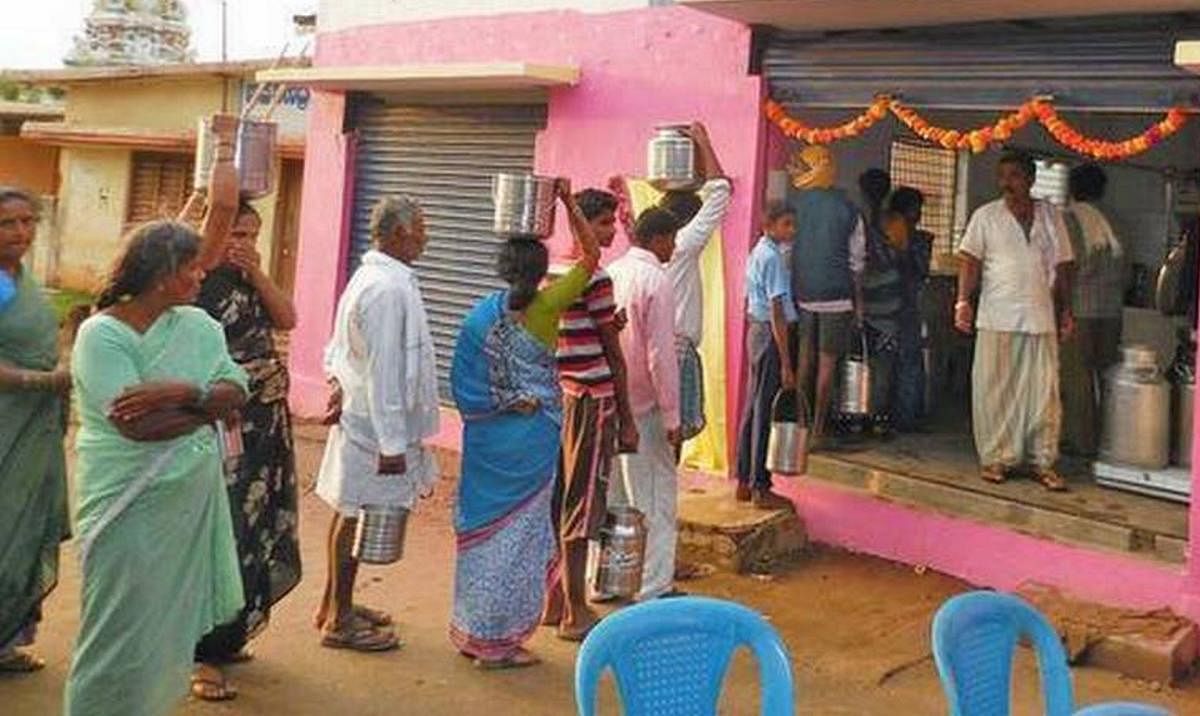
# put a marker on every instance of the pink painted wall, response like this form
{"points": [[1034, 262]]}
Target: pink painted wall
{"points": [[638, 68]]}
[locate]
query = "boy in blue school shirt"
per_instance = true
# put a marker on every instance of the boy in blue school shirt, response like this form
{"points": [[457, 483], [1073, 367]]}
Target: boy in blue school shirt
{"points": [[769, 341]]}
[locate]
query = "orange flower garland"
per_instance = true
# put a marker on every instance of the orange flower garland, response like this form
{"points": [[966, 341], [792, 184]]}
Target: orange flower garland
{"points": [[978, 140]]}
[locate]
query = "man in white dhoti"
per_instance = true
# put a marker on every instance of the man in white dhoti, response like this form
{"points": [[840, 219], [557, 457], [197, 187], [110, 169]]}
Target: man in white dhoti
{"points": [[381, 364], [1017, 252]]}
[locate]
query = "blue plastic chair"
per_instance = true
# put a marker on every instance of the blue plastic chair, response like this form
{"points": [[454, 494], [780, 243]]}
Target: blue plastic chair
{"points": [[974, 637], [1122, 708], [669, 658]]}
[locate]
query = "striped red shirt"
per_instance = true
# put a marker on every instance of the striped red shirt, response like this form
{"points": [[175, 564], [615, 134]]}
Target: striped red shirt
{"points": [[582, 366]]}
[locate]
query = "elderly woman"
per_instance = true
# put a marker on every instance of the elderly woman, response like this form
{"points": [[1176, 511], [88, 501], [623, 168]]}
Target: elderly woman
{"points": [[262, 486], [506, 387], [154, 378], [33, 471]]}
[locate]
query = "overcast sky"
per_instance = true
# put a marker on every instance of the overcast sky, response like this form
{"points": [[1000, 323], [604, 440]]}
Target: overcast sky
{"points": [[40, 35]]}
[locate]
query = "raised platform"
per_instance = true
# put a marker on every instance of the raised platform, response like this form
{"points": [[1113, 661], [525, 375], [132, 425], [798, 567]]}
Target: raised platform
{"points": [[938, 472], [733, 536]]}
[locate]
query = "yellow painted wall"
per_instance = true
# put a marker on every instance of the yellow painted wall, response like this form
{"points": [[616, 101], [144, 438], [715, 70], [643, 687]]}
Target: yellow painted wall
{"points": [[91, 212], [173, 104], [30, 166]]}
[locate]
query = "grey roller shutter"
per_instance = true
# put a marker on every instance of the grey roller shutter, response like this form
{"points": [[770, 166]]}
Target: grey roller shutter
{"points": [[1124, 62], [445, 157]]}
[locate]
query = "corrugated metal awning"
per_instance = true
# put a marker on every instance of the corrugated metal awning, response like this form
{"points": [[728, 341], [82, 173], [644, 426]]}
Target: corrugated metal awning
{"points": [[1114, 64], [440, 77]]}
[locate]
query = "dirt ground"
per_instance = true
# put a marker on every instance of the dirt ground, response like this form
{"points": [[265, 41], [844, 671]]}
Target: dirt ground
{"points": [[857, 628]]}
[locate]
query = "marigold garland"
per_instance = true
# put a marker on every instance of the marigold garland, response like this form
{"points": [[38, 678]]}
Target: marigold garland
{"points": [[978, 140]]}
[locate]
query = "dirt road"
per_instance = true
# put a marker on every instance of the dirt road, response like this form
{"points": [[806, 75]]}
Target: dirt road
{"points": [[857, 628]]}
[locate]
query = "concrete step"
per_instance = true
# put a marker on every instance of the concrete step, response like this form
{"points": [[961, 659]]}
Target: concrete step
{"points": [[733, 536]]}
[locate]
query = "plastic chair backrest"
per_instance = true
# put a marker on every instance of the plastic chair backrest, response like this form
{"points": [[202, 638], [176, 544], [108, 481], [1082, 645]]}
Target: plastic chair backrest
{"points": [[669, 658], [974, 638], [1122, 708]]}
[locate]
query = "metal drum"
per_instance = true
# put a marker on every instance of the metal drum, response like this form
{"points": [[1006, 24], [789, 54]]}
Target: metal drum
{"points": [[524, 205], [671, 159], [622, 554], [253, 157], [856, 383], [787, 446], [379, 537], [1185, 398], [1137, 414]]}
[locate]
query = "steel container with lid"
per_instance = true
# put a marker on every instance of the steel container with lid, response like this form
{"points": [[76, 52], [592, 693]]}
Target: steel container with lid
{"points": [[671, 159], [1137, 412], [622, 554], [787, 444], [379, 536], [253, 157], [524, 205], [856, 383]]}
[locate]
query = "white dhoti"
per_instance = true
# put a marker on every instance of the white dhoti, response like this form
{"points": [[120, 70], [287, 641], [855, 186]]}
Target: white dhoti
{"points": [[1016, 409], [649, 483], [349, 476]]}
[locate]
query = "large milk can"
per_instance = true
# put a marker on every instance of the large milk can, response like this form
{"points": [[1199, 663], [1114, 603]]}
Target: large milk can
{"points": [[379, 536], [787, 446], [253, 157], [1137, 413], [856, 383], [524, 205], [1185, 398], [622, 554], [671, 159]]}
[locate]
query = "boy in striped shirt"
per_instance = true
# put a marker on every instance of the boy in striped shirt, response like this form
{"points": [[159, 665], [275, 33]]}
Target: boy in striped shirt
{"points": [[595, 415]]}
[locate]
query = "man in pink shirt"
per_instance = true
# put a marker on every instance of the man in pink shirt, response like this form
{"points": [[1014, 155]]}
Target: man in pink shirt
{"points": [[643, 290]]}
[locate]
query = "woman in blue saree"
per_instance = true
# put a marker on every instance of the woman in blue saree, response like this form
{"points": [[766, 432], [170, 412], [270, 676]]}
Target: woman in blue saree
{"points": [[505, 385]]}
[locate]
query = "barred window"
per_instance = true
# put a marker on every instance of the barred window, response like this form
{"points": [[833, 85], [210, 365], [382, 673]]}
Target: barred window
{"points": [[932, 170]]}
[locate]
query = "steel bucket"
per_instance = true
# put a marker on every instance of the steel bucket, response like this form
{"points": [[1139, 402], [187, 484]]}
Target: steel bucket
{"points": [[379, 537], [622, 554], [524, 205], [671, 159], [253, 157], [856, 383], [787, 446]]}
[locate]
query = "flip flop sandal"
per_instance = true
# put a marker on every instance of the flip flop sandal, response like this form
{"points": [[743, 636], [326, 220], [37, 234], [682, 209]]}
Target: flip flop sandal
{"points": [[993, 474], [578, 635], [521, 660], [358, 637], [1051, 480], [378, 617], [21, 663]]}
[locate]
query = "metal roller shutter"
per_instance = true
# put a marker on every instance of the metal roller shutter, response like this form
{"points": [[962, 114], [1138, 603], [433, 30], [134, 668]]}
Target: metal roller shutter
{"points": [[444, 157], [1100, 63]]}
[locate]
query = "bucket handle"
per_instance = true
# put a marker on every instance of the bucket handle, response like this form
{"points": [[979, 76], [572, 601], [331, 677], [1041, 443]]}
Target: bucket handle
{"points": [[800, 406]]}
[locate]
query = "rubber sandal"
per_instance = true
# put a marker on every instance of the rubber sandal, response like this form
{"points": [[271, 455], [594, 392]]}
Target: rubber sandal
{"points": [[378, 617], [1051, 480], [21, 663], [212, 688], [360, 637], [993, 474], [577, 635], [521, 660]]}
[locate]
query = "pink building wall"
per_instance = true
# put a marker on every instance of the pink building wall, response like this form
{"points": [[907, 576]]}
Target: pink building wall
{"points": [[640, 68]]}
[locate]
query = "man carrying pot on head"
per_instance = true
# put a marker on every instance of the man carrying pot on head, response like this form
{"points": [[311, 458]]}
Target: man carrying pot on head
{"points": [[381, 364], [699, 216], [828, 260], [1017, 252]]}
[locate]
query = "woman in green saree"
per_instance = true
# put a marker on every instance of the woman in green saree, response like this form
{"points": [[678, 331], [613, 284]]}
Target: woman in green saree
{"points": [[154, 379], [33, 469]]}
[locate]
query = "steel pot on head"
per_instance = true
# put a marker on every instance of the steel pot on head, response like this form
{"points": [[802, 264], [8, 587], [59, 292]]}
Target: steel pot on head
{"points": [[253, 157], [671, 159], [524, 205]]}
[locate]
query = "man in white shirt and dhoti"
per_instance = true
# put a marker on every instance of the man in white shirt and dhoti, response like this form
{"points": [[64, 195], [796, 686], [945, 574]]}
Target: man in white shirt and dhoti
{"points": [[381, 363], [1017, 252]]}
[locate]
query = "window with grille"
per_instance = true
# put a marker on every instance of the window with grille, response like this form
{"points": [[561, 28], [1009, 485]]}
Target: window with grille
{"points": [[932, 170], [159, 186]]}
